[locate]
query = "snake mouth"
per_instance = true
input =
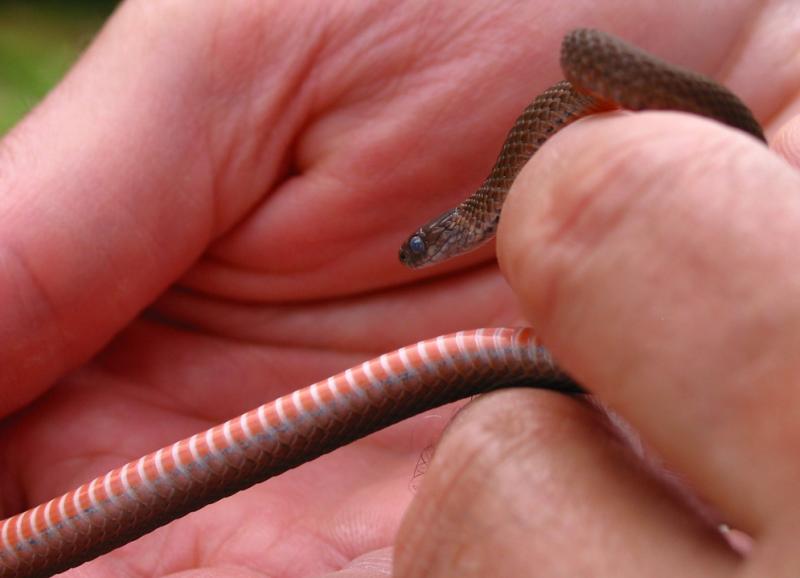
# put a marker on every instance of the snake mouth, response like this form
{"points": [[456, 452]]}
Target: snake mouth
{"points": [[405, 257]]}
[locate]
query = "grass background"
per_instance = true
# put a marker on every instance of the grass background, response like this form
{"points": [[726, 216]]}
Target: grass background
{"points": [[39, 40]]}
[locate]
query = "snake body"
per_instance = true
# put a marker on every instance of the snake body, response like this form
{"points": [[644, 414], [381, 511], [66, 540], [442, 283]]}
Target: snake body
{"points": [[602, 73], [140, 496]]}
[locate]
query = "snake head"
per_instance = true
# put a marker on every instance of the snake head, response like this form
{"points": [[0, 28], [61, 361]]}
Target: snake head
{"points": [[414, 252], [435, 241]]}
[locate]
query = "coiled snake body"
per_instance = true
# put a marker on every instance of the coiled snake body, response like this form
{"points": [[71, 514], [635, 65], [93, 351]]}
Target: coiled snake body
{"points": [[602, 73]]}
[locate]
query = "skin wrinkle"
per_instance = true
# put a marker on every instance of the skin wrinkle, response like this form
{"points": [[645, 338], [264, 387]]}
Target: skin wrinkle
{"points": [[787, 143], [454, 487], [216, 221], [8, 175], [780, 108], [741, 40], [372, 32], [339, 54], [288, 324], [315, 532], [280, 112], [791, 98], [24, 277], [157, 398], [415, 539], [261, 102]]}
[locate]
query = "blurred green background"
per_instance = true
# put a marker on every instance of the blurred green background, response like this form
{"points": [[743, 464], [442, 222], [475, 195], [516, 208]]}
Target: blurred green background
{"points": [[39, 40]]}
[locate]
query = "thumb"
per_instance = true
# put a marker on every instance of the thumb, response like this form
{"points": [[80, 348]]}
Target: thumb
{"points": [[115, 185], [656, 254], [88, 232]]}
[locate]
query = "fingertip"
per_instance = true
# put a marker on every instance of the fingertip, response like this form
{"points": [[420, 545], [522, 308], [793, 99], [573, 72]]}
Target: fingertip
{"points": [[660, 266], [575, 185], [606, 178]]}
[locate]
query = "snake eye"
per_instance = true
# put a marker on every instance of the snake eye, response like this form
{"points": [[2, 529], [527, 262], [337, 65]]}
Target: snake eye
{"points": [[417, 245]]}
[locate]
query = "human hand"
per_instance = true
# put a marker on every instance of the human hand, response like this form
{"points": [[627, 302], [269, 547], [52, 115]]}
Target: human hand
{"points": [[656, 255], [254, 168]]}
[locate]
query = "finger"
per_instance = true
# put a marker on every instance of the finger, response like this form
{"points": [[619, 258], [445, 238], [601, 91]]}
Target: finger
{"points": [[657, 255], [111, 185], [526, 483]]}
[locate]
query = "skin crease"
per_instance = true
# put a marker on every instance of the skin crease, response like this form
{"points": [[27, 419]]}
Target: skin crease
{"points": [[206, 213]]}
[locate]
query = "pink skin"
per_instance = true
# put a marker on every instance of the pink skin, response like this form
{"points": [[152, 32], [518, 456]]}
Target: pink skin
{"points": [[206, 214]]}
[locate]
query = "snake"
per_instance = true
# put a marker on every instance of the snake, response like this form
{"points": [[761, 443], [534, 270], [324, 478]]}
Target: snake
{"points": [[602, 72]]}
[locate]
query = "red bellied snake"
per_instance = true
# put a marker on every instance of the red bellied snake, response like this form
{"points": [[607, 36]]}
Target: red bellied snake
{"points": [[602, 73]]}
